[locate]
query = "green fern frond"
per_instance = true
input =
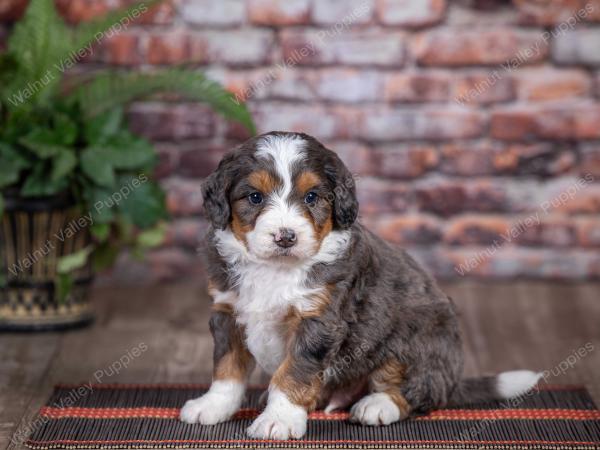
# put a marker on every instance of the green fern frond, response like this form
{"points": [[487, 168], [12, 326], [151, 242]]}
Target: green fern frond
{"points": [[44, 47], [108, 90]]}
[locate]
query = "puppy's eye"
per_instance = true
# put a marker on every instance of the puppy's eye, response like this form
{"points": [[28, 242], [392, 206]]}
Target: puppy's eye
{"points": [[310, 198], [255, 198]]}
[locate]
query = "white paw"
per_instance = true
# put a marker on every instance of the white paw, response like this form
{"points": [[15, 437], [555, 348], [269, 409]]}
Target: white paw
{"points": [[221, 402], [281, 420], [375, 409]]}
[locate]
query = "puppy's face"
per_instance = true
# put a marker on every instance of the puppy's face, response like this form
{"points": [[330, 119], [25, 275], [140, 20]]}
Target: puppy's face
{"points": [[281, 194]]}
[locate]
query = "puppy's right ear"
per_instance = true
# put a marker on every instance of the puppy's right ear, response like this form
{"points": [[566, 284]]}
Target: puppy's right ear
{"points": [[215, 193]]}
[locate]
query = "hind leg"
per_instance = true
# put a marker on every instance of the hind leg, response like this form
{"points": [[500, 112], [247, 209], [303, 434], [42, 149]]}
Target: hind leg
{"points": [[385, 402]]}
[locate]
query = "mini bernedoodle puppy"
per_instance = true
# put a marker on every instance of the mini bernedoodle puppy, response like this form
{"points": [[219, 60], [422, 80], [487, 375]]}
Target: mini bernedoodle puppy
{"points": [[337, 317]]}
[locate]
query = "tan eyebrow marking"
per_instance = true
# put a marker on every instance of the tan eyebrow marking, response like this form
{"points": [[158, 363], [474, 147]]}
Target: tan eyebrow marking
{"points": [[263, 181], [307, 180]]}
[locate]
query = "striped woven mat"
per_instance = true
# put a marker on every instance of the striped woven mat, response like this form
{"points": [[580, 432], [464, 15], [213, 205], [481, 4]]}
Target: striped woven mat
{"points": [[146, 416]]}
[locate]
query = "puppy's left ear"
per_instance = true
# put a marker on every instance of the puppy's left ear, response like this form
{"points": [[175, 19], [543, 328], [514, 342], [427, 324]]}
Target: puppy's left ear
{"points": [[345, 203]]}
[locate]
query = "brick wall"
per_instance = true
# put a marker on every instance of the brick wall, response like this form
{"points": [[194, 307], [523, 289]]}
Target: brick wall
{"points": [[473, 127]]}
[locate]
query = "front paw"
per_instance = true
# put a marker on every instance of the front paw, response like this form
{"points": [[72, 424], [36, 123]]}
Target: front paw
{"points": [[280, 426], [219, 404]]}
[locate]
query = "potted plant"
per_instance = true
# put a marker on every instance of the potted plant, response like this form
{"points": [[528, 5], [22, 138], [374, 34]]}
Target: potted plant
{"points": [[75, 183]]}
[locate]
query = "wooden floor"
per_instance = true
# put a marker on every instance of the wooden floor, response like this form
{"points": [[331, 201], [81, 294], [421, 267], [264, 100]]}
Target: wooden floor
{"points": [[506, 326]]}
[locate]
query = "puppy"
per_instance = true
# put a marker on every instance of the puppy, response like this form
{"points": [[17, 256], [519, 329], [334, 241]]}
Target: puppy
{"points": [[337, 316]]}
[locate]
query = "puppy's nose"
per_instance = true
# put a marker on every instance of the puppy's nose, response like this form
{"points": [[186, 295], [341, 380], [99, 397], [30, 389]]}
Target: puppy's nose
{"points": [[285, 237]]}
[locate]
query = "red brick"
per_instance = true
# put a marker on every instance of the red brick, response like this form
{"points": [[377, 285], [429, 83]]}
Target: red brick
{"points": [[468, 158], [121, 49], [448, 197], [244, 46], [552, 84], [278, 12], [358, 157], [416, 86], [408, 229], [384, 124], [476, 230], [342, 11], [75, 11], [406, 161], [577, 47], [588, 232], [184, 197], [213, 13], [557, 11], [483, 88], [348, 85], [571, 195], [11, 10], [295, 84], [171, 47], [546, 231], [572, 121], [590, 159], [410, 13], [535, 159], [342, 46], [379, 196], [512, 262], [245, 84], [479, 47], [172, 121], [200, 159], [485, 158], [326, 123], [168, 160]]}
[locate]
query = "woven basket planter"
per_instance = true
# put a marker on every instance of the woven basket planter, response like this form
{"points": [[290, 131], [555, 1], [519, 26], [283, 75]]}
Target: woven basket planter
{"points": [[34, 235]]}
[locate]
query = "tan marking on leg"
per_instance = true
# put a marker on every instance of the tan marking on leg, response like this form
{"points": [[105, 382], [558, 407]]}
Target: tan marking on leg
{"points": [[302, 394], [388, 378], [238, 362]]}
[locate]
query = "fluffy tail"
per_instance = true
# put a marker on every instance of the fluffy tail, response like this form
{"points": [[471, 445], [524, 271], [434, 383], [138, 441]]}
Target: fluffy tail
{"points": [[502, 386]]}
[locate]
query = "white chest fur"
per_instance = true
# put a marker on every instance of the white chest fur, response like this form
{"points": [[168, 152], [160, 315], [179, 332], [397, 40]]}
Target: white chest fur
{"points": [[266, 294], [267, 290]]}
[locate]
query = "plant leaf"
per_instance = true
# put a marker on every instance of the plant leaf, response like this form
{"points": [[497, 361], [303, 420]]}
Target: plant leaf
{"points": [[74, 261], [145, 204], [100, 204], [101, 127], [43, 142], [152, 237], [105, 256], [64, 285], [110, 89], [63, 164], [96, 164], [129, 153], [39, 183], [100, 231]]}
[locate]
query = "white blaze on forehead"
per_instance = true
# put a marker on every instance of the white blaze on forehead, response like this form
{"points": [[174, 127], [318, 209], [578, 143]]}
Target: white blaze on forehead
{"points": [[285, 152]]}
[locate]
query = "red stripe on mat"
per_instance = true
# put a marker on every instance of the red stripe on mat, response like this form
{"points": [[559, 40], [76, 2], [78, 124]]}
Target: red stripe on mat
{"points": [[257, 441], [449, 414]]}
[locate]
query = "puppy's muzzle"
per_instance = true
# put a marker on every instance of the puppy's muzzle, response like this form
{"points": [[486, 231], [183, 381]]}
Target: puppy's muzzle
{"points": [[285, 238]]}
